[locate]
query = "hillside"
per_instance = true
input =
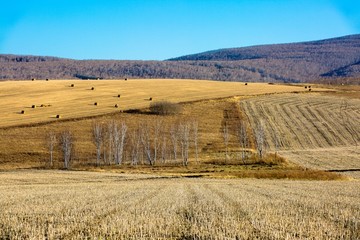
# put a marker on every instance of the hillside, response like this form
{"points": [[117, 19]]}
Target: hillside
{"points": [[294, 62]]}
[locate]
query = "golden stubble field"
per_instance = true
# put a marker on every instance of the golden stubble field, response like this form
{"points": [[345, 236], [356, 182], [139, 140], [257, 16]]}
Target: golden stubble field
{"points": [[57, 97], [87, 205], [318, 131]]}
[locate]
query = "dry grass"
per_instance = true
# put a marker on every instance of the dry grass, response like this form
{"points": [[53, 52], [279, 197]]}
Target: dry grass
{"points": [[78, 101], [314, 130], [78, 205], [25, 147]]}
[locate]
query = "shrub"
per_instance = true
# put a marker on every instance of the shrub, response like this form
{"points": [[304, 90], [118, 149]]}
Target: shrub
{"points": [[164, 108]]}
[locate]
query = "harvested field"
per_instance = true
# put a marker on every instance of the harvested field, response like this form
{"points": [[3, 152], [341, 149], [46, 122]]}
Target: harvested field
{"points": [[314, 130], [344, 160], [78, 101], [78, 205]]}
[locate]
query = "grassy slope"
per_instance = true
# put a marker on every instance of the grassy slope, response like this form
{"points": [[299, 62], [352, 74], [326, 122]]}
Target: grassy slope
{"points": [[25, 147], [78, 101]]}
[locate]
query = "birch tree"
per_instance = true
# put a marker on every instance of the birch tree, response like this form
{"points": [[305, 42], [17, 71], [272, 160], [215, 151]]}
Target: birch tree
{"points": [[146, 142], [119, 135], [156, 137], [260, 138], [195, 131], [135, 146], [174, 136], [184, 140], [51, 141], [66, 144], [110, 142], [98, 140], [226, 137], [243, 140]]}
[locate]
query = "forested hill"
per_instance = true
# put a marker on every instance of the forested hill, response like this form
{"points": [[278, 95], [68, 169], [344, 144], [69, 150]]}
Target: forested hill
{"points": [[293, 62]]}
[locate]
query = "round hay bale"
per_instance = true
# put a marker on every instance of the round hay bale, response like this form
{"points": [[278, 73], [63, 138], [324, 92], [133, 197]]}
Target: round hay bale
{"points": [[58, 116], [72, 85], [118, 95], [125, 79], [150, 99], [33, 106], [309, 89], [96, 104], [22, 112], [47, 79], [305, 87], [245, 84], [309, 86], [92, 88], [116, 105], [33, 79]]}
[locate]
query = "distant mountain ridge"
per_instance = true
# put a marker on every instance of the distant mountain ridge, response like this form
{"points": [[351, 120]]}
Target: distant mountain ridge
{"points": [[292, 62]]}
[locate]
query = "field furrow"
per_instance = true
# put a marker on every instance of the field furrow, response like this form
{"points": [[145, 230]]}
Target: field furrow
{"points": [[317, 131], [177, 208]]}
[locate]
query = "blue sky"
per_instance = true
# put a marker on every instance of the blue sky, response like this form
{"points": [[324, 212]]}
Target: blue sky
{"points": [[161, 29]]}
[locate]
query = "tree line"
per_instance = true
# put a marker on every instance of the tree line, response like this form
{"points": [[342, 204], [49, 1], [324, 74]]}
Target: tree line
{"points": [[115, 143], [155, 141]]}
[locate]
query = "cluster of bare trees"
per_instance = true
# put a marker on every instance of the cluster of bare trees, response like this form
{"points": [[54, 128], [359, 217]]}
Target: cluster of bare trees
{"points": [[63, 142], [153, 141], [149, 142], [245, 138]]}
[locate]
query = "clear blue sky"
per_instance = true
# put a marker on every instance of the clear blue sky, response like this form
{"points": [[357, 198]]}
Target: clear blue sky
{"points": [[161, 29]]}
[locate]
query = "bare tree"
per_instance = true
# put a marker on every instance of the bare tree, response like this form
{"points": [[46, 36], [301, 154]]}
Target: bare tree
{"points": [[109, 142], [184, 129], [66, 143], [119, 141], [98, 137], [135, 140], [163, 148], [195, 128], [226, 137], [146, 142], [174, 136], [243, 139], [260, 138], [156, 134], [51, 141]]}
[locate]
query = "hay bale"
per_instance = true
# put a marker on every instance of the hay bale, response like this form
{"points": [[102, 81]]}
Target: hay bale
{"points": [[309, 86], [92, 88], [125, 79], [118, 95], [33, 79], [58, 116], [33, 106], [150, 99], [309, 89], [22, 112], [116, 105], [96, 104], [72, 85], [47, 79], [305, 87], [245, 84]]}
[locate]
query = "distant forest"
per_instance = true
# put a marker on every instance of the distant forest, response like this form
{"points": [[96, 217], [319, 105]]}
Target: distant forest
{"points": [[326, 60]]}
